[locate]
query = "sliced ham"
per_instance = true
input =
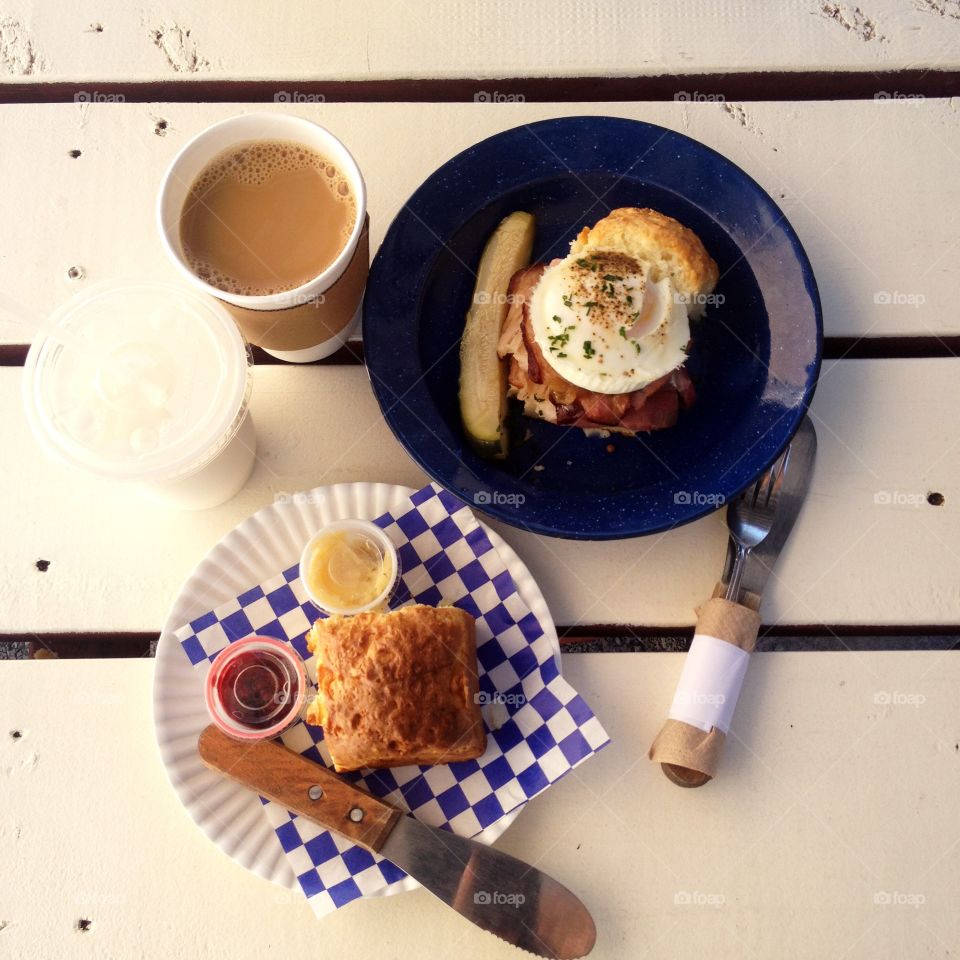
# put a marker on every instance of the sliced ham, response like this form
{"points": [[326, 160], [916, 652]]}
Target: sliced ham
{"points": [[606, 408], [547, 395], [684, 386]]}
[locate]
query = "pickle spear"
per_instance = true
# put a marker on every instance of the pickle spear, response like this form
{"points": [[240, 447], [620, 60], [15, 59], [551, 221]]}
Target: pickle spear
{"points": [[483, 375]]}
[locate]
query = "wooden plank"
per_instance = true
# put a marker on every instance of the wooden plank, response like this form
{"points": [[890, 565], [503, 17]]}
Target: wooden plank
{"points": [[859, 169], [827, 771], [378, 39], [868, 549]]}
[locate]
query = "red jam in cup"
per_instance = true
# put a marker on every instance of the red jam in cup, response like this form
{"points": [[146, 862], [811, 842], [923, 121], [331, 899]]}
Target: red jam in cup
{"points": [[255, 688]]}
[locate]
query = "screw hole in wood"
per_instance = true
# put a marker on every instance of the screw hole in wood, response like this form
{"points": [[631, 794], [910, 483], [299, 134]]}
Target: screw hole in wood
{"points": [[75, 154], [16, 734], [42, 565], [935, 499], [84, 925]]}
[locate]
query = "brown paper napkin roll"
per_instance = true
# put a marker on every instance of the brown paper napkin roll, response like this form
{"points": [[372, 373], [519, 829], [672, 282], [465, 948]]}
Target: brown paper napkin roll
{"points": [[688, 754]]}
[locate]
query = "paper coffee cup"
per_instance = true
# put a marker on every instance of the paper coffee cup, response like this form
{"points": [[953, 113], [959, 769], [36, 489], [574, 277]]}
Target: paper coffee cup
{"points": [[147, 383], [308, 322]]}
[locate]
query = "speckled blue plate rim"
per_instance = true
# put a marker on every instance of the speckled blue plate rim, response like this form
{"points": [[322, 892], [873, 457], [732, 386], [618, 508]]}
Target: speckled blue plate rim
{"points": [[417, 235]]}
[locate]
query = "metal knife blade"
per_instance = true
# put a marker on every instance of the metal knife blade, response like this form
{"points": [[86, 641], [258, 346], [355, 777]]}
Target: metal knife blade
{"points": [[497, 892], [794, 485]]}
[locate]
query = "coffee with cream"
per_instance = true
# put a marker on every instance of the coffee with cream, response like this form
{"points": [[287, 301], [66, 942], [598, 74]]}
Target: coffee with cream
{"points": [[266, 216]]}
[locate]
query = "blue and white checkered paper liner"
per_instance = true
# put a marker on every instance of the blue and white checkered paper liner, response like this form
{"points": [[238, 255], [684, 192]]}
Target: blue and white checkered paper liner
{"points": [[544, 727]]}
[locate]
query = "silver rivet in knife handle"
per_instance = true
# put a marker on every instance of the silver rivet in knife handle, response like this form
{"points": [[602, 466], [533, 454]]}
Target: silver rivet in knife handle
{"points": [[284, 776]]}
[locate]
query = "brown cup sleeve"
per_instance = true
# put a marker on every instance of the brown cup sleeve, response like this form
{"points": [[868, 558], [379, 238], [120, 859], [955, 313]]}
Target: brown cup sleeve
{"points": [[317, 320], [680, 744]]}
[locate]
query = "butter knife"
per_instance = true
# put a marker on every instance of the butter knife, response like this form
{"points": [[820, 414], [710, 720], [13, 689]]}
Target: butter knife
{"points": [[497, 892]]}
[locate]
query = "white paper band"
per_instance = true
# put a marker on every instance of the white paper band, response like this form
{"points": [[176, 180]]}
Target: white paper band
{"points": [[710, 683]]}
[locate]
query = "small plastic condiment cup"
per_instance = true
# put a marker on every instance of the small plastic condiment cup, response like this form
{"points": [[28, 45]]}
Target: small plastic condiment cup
{"points": [[388, 552], [284, 703]]}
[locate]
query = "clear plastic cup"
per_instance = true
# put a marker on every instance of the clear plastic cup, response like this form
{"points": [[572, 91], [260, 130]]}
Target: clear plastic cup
{"points": [[149, 384]]}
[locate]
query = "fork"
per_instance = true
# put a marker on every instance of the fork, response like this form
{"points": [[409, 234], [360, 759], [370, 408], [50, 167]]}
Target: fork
{"points": [[750, 517]]}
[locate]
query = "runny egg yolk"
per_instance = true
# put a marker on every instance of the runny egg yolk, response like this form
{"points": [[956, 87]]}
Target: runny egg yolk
{"points": [[603, 324]]}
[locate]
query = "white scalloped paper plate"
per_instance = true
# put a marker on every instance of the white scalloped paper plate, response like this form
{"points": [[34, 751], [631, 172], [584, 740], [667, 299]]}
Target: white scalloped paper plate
{"points": [[269, 541]]}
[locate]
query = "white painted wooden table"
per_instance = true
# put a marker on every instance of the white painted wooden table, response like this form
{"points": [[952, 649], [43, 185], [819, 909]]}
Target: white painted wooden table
{"points": [[831, 831]]}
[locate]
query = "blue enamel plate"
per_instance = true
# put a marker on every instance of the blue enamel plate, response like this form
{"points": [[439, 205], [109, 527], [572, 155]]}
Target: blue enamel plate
{"points": [[755, 356]]}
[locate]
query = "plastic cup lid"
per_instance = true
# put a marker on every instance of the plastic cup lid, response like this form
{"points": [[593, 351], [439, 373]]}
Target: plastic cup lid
{"points": [[150, 383]]}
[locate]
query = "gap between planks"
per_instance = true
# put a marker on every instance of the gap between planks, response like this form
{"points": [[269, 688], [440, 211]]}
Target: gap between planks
{"points": [[741, 86], [599, 639], [834, 348]]}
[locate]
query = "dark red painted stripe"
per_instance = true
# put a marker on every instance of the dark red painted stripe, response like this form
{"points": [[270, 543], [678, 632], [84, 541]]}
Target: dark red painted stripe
{"points": [[598, 639], [759, 85], [834, 348]]}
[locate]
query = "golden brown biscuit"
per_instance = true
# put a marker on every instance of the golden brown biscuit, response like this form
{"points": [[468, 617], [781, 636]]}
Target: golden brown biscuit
{"points": [[673, 249], [397, 688]]}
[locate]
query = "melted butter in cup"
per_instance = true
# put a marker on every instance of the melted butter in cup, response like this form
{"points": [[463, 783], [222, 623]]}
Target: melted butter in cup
{"points": [[348, 567]]}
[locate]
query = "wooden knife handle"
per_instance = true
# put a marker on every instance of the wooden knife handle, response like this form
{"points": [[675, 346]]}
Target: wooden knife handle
{"points": [[302, 786]]}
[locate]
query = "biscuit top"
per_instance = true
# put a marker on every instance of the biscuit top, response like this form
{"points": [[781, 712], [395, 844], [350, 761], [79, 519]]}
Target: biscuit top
{"points": [[670, 248], [395, 684]]}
